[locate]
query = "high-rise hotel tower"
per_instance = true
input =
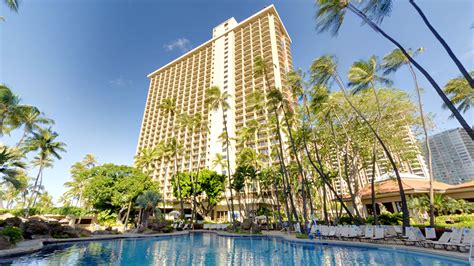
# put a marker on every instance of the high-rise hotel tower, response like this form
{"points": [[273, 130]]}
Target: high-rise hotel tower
{"points": [[226, 61]]}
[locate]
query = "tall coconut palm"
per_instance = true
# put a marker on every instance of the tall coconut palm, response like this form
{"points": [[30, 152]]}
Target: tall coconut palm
{"points": [[276, 101], [460, 93], [217, 100], [31, 119], [331, 15], [90, 160], [445, 45], [44, 141], [9, 104], [324, 69], [363, 75], [10, 166], [391, 63], [146, 157], [172, 150]]}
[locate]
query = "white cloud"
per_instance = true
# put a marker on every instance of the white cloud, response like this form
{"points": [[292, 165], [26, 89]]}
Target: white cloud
{"points": [[120, 82], [182, 44]]}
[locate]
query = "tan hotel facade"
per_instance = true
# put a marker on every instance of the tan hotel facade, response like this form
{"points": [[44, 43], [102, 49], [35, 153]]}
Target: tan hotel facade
{"points": [[225, 61]]}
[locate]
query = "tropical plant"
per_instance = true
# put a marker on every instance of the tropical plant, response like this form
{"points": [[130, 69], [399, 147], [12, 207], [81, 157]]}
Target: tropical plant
{"points": [[460, 93], [10, 166], [331, 14], [217, 100], [460, 66], [43, 141], [324, 69], [391, 63], [148, 202]]}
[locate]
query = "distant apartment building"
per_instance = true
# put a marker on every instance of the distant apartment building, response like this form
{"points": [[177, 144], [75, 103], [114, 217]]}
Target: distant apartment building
{"points": [[410, 163], [452, 156], [226, 61]]}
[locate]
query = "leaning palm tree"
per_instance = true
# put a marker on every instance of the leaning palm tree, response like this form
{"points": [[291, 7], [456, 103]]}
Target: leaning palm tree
{"points": [[391, 63], [331, 15], [363, 76], [31, 119], [9, 104], [460, 93], [44, 141], [217, 100], [10, 166], [445, 45], [324, 69]]}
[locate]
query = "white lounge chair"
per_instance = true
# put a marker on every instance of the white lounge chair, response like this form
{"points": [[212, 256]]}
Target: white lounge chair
{"points": [[332, 231], [324, 230], [456, 238], [297, 228], [442, 241], [415, 236], [379, 233], [369, 233]]}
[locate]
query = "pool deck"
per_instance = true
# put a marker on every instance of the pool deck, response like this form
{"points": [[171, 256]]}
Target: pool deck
{"points": [[31, 246]]}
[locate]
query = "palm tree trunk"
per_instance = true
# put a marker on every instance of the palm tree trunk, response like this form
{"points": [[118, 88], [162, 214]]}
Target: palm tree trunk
{"points": [[290, 195], [285, 189], [179, 183], [323, 175], [427, 143], [325, 207], [425, 73], [228, 166], [374, 154], [300, 169], [128, 214], [440, 39], [277, 202], [406, 215]]}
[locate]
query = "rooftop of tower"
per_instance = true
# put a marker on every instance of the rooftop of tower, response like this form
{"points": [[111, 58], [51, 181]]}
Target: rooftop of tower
{"points": [[269, 9]]}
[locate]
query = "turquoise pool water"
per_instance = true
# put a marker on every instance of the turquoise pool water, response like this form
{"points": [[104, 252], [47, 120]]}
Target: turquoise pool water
{"points": [[210, 249]]}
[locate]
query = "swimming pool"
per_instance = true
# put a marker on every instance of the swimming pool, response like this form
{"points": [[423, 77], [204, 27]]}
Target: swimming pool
{"points": [[211, 249]]}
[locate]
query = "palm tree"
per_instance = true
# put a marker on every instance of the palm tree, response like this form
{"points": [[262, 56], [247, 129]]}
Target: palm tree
{"points": [[44, 141], [90, 160], [363, 76], [172, 149], [460, 93], [9, 104], [146, 157], [331, 14], [31, 119], [147, 203], [276, 102], [323, 70], [12, 4], [216, 100], [391, 63], [10, 166], [440, 39]]}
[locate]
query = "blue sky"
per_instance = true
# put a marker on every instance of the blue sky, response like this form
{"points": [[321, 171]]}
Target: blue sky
{"points": [[84, 63]]}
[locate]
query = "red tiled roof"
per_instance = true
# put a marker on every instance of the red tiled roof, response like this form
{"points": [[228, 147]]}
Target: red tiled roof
{"points": [[409, 185]]}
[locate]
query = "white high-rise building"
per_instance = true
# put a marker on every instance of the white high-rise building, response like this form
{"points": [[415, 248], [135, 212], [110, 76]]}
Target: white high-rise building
{"points": [[226, 61], [452, 156]]}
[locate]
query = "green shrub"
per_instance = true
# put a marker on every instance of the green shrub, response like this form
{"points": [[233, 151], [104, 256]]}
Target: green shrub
{"points": [[14, 233], [302, 236]]}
